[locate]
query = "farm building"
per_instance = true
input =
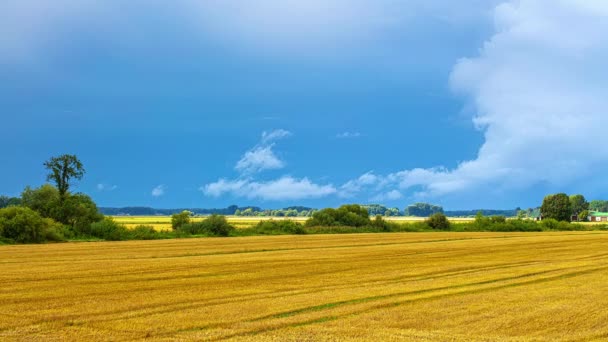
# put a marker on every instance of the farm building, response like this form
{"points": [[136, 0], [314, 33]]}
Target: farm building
{"points": [[596, 216]]}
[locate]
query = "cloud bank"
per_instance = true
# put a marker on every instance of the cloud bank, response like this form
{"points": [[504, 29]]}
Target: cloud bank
{"points": [[539, 87]]}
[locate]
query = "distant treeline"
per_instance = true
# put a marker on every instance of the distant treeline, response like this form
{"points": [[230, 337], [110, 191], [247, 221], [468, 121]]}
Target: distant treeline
{"points": [[147, 211], [485, 212], [416, 210]]}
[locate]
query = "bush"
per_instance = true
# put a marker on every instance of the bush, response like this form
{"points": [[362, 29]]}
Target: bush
{"points": [[178, 220], [550, 224], [24, 225], [482, 222], [217, 225], [214, 225], [438, 221], [195, 228], [498, 219], [55, 231], [351, 215], [381, 224], [109, 230], [65, 231], [272, 227], [143, 232]]}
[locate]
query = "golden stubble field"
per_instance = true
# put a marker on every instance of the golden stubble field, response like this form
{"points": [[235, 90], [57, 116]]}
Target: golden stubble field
{"points": [[367, 287]]}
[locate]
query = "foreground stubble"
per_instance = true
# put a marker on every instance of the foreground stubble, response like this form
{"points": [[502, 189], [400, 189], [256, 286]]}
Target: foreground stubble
{"points": [[410, 286]]}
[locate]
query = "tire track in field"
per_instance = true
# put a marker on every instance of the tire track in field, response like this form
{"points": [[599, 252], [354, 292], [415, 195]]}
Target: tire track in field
{"points": [[265, 250], [189, 267], [161, 308], [373, 298], [283, 294], [409, 301], [400, 294], [236, 264], [339, 286]]}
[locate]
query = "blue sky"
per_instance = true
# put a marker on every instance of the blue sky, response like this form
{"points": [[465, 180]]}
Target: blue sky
{"points": [[273, 103]]}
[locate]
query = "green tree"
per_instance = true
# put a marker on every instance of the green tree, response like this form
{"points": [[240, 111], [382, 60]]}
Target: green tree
{"points": [[375, 209], [422, 210], [522, 214], [79, 211], [583, 216], [394, 211], [598, 205], [438, 221], [6, 201], [44, 200], [180, 219], [62, 171], [556, 207], [291, 213], [578, 203]]}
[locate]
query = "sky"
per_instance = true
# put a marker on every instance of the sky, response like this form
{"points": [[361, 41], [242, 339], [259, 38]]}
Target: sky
{"points": [[469, 104]]}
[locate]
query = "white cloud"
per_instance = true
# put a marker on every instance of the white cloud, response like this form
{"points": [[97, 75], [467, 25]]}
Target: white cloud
{"points": [[259, 159], [347, 135], [277, 134], [284, 188], [353, 187], [539, 90], [392, 195], [106, 187], [159, 190], [262, 156]]}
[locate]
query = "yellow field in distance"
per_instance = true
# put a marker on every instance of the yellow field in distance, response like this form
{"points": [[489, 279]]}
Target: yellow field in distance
{"points": [[365, 287], [164, 222]]}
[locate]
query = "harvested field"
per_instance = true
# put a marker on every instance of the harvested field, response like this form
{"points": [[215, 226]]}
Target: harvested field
{"points": [[413, 286]]}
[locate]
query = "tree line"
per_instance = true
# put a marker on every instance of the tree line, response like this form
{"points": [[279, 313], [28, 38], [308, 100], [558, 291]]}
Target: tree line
{"points": [[53, 212], [562, 207]]}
